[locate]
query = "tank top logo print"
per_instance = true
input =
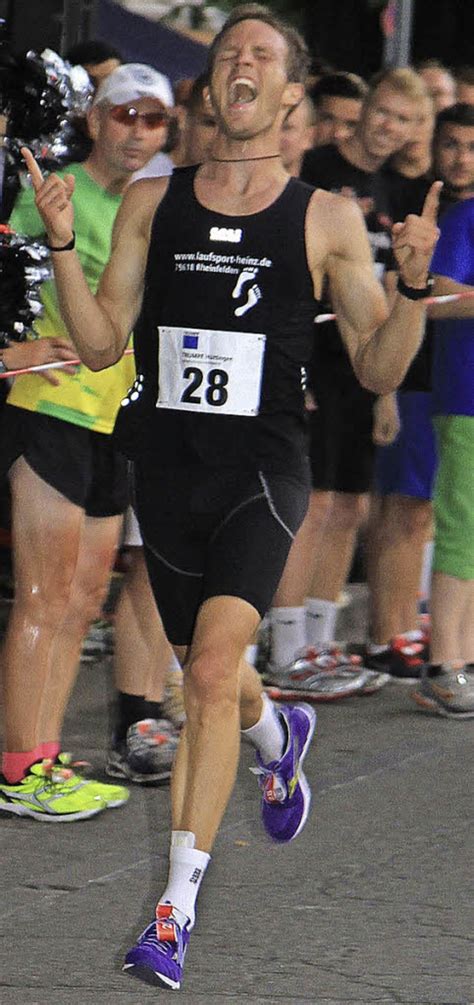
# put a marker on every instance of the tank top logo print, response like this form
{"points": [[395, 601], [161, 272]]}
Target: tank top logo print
{"points": [[232, 234], [246, 290]]}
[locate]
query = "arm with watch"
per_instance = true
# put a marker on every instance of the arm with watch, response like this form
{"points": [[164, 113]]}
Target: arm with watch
{"points": [[382, 339], [34, 351]]}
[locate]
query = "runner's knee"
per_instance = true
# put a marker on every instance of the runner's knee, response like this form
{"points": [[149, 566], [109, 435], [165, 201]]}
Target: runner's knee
{"points": [[211, 677]]}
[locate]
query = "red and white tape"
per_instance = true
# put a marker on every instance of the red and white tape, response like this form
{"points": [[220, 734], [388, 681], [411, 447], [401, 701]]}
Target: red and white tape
{"points": [[49, 366], [447, 298]]}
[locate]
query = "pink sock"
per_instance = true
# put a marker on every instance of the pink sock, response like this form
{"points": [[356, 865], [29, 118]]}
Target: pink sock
{"points": [[15, 765], [50, 749]]}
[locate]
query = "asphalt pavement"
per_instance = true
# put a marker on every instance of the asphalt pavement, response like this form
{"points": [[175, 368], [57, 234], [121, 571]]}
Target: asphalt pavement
{"points": [[369, 905]]}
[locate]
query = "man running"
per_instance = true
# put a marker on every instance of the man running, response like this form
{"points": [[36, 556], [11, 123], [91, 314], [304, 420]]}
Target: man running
{"points": [[217, 271]]}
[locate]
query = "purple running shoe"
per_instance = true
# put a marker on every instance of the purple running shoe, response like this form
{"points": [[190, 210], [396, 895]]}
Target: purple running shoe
{"points": [[286, 794], [158, 956]]}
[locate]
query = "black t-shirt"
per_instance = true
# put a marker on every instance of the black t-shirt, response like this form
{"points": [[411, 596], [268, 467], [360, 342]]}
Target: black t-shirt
{"points": [[407, 196], [325, 167]]}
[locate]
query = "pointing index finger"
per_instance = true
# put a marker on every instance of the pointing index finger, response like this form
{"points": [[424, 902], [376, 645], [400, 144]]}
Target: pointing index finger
{"points": [[33, 168], [431, 204]]}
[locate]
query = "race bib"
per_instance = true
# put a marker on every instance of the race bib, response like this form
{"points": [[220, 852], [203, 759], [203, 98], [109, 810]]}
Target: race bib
{"points": [[216, 372]]}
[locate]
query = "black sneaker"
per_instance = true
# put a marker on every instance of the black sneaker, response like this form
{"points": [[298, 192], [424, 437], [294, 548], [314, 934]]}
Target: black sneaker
{"points": [[147, 755], [402, 659]]}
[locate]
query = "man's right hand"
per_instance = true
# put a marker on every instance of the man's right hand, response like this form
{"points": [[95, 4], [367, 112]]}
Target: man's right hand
{"points": [[386, 425], [53, 200], [38, 352]]}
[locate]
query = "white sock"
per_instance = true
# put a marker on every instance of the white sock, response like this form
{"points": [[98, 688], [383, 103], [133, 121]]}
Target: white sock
{"points": [[288, 634], [251, 655], [187, 866], [320, 620], [268, 735], [425, 578], [416, 635], [174, 663], [374, 650]]}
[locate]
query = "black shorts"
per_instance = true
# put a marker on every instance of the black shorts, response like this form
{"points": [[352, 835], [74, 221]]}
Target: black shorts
{"points": [[341, 447], [214, 532], [81, 464]]}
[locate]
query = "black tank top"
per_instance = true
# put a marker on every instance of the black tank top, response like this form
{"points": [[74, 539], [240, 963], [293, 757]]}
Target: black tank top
{"points": [[206, 270]]}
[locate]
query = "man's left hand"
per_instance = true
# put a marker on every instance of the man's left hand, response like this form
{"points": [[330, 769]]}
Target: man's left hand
{"points": [[414, 240]]}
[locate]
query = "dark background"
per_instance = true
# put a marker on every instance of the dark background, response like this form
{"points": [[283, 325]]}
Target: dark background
{"points": [[345, 32]]}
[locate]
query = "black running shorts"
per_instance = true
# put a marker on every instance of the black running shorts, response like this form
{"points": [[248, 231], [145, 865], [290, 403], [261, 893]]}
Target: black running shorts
{"points": [[341, 447], [81, 464], [214, 532]]}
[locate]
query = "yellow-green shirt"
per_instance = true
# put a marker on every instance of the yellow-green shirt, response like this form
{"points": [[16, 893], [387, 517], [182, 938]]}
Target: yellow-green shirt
{"points": [[86, 398]]}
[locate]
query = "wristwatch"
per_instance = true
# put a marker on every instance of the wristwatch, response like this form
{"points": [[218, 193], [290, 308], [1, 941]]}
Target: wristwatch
{"points": [[412, 292]]}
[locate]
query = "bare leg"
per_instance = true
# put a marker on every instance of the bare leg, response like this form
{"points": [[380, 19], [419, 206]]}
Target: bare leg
{"points": [[97, 548], [209, 747], [295, 583], [250, 695], [142, 651], [46, 535], [452, 612], [337, 545], [398, 530], [250, 711]]}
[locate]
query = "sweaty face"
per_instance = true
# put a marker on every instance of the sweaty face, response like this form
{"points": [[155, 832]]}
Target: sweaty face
{"points": [[128, 146], [336, 119], [296, 137], [454, 156], [248, 79], [388, 122]]}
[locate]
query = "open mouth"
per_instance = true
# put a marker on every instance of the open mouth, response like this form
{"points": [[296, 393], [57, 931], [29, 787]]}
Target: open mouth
{"points": [[242, 91]]}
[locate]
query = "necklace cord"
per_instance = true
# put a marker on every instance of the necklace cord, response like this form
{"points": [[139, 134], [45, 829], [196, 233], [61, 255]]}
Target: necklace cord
{"points": [[243, 160]]}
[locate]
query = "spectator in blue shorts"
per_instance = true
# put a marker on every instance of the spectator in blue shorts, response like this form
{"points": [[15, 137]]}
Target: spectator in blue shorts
{"points": [[404, 471]]}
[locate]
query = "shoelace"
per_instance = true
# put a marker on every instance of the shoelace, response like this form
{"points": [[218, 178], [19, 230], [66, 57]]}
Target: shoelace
{"points": [[145, 737], [165, 934], [331, 658], [56, 773], [272, 785], [411, 651]]}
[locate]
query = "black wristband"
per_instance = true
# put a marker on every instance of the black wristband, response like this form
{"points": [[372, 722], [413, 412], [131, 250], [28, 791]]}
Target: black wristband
{"points": [[66, 247], [412, 293]]}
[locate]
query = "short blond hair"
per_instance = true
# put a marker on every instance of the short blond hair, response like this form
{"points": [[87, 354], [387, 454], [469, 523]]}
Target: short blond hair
{"points": [[403, 80]]}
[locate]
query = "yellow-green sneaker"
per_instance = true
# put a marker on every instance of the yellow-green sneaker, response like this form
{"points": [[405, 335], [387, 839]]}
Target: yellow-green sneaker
{"points": [[112, 795], [51, 792]]}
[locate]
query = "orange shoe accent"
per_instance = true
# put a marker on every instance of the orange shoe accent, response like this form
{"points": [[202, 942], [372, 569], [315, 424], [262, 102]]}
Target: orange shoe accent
{"points": [[422, 700]]}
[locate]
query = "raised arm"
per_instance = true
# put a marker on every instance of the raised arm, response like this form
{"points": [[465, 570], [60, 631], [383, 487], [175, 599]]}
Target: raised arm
{"points": [[380, 343], [99, 325]]}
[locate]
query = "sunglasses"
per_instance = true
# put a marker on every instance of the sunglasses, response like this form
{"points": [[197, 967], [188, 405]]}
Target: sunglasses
{"points": [[129, 116]]}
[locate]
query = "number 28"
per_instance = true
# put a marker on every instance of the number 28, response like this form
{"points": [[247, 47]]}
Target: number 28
{"points": [[215, 392]]}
